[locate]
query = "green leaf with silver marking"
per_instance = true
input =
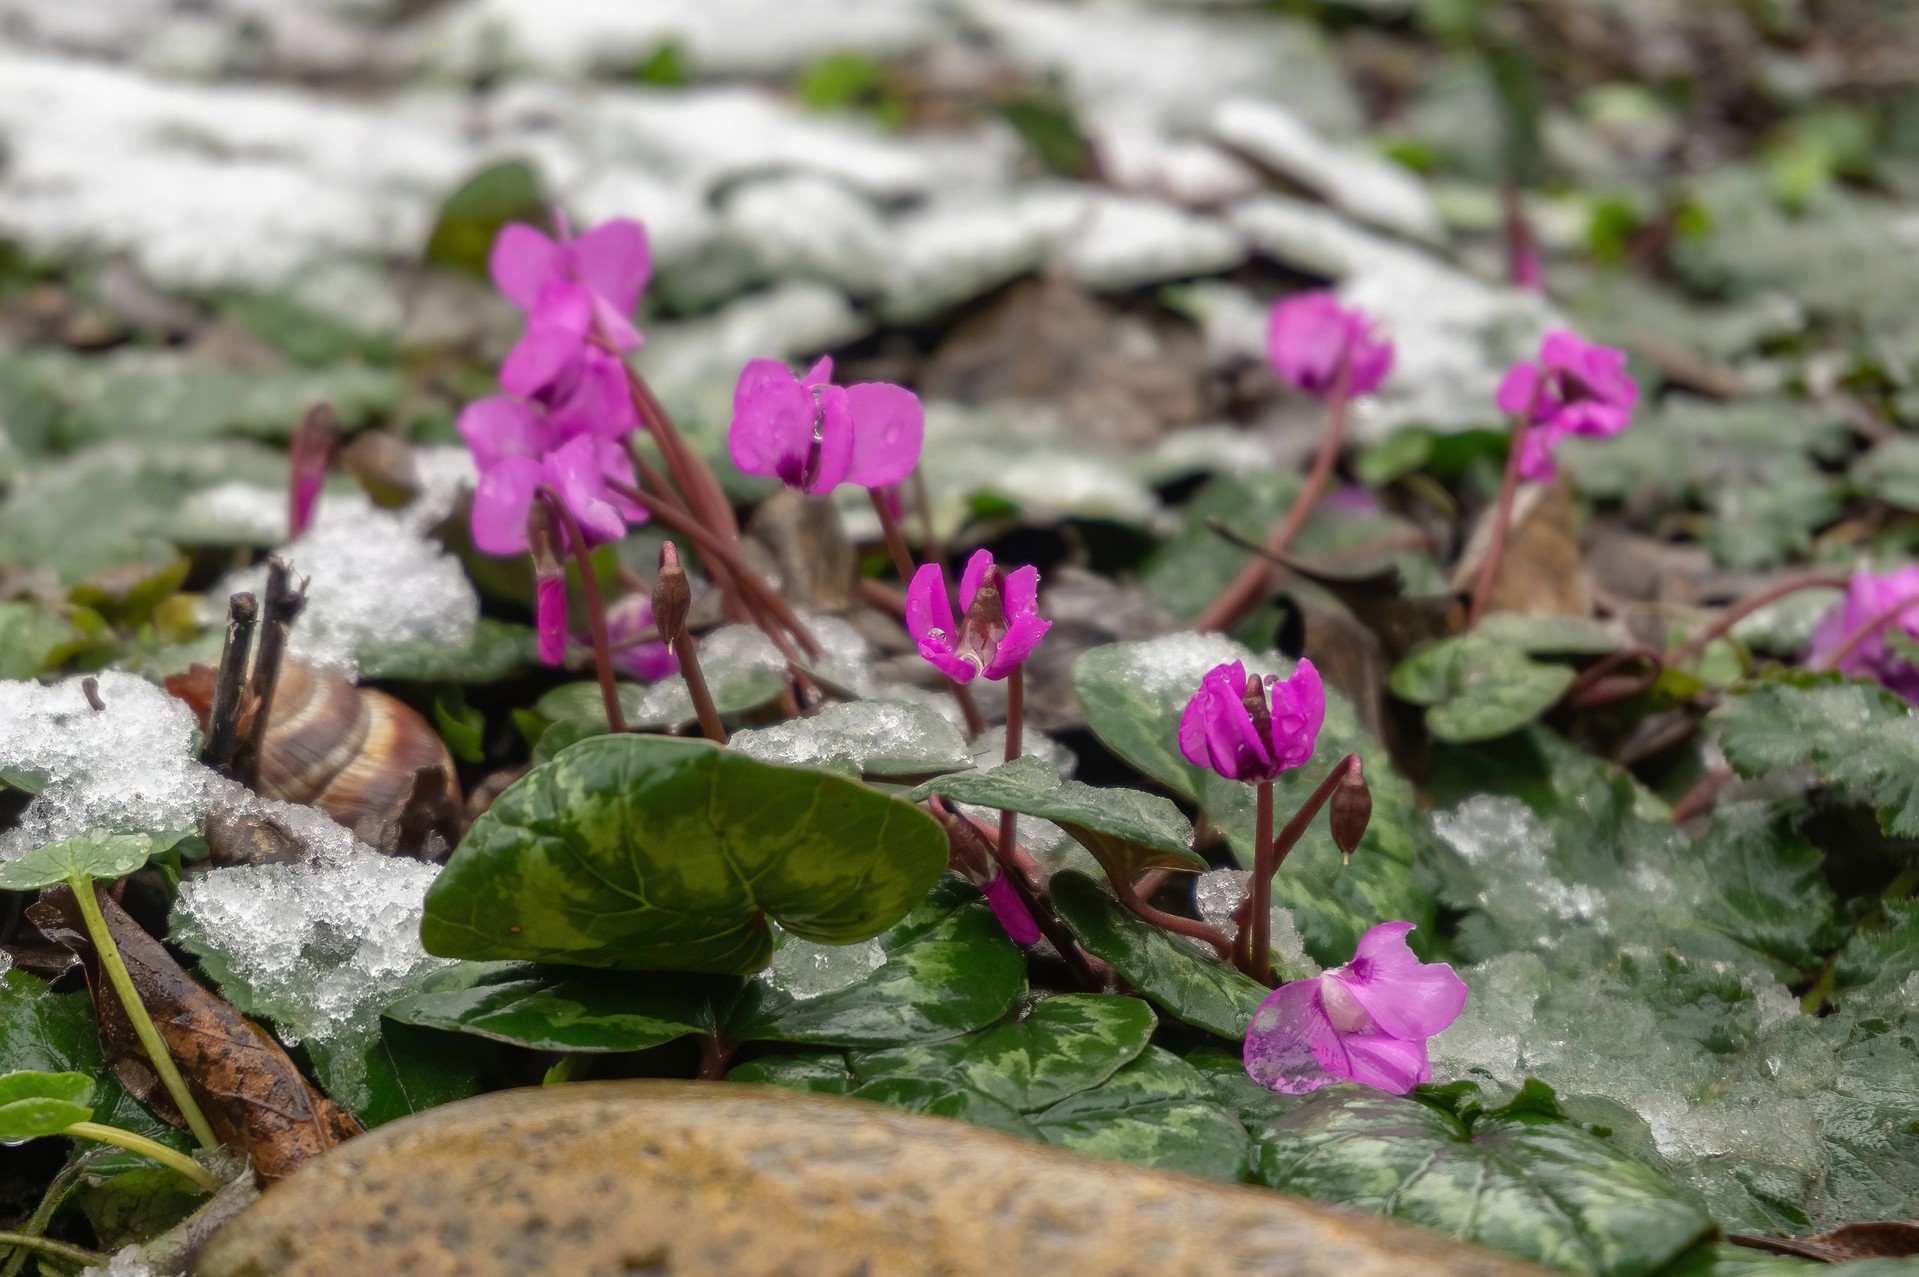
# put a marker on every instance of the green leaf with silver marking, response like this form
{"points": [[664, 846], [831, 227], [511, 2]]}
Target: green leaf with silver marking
{"points": [[656, 853], [97, 855], [1127, 831]]}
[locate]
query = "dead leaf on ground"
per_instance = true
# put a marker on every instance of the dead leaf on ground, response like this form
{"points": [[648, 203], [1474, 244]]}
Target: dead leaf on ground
{"points": [[253, 1096], [1541, 573], [1893, 1239]]}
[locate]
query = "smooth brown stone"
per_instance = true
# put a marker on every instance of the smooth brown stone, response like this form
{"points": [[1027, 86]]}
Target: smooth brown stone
{"points": [[690, 1179]]}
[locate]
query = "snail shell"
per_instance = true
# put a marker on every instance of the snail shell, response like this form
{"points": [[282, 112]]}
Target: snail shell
{"points": [[353, 752]]}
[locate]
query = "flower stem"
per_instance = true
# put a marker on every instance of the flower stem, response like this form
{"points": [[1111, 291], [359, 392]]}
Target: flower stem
{"points": [[595, 613], [715, 1052], [704, 495], [1832, 660], [1260, 955], [53, 1249], [143, 1028], [903, 564], [718, 552], [1275, 849], [1693, 648], [1015, 711], [1243, 593], [687, 648], [1599, 685], [1502, 519], [147, 1148], [1220, 942]]}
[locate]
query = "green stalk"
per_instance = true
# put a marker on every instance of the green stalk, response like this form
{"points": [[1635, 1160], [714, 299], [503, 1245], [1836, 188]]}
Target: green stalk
{"points": [[59, 1250], [146, 1148], [36, 1225], [137, 1012]]}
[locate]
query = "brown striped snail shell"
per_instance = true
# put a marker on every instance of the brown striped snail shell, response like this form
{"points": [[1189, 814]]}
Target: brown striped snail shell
{"points": [[353, 752]]}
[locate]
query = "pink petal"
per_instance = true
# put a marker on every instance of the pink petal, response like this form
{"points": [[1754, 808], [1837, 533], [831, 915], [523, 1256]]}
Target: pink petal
{"points": [[835, 444], [615, 462], [1536, 453], [1291, 1046], [888, 428], [1387, 1063], [1372, 360], [614, 260], [772, 417], [614, 327], [1298, 711], [575, 472], [496, 427], [929, 613], [1011, 910], [819, 374], [550, 618], [538, 361], [1516, 389], [975, 573], [500, 504], [1023, 634], [597, 402], [523, 261], [1406, 998], [1022, 591]]}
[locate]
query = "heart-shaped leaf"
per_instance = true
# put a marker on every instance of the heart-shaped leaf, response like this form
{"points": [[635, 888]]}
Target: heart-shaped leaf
{"points": [[949, 969], [1475, 688], [96, 855], [650, 852], [1127, 831], [1181, 979], [33, 1105], [1157, 1111], [1515, 1180], [1069, 1043], [1861, 738], [558, 1011]]}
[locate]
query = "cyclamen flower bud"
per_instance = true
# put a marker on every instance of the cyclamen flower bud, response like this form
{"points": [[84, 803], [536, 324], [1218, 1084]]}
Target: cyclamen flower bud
{"points": [[1350, 810], [672, 596], [313, 446], [549, 583]]}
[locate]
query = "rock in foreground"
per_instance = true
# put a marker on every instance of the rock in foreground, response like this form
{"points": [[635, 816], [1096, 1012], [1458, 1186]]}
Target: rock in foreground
{"points": [[679, 1179]]}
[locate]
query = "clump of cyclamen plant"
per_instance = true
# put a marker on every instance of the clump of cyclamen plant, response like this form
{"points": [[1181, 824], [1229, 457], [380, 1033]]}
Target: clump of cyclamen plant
{"points": [[1367, 1021], [1574, 388], [1251, 729], [1332, 352]]}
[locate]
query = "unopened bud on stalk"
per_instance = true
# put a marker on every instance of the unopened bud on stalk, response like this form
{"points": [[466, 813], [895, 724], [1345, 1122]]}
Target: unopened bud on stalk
{"points": [[1350, 809], [549, 582], [671, 596], [312, 452]]}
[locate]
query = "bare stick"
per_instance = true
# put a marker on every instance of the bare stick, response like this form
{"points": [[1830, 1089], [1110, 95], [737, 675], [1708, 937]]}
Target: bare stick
{"points": [[283, 606], [229, 689], [1243, 593], [1693, 648], [90, 688], [595, 613]]}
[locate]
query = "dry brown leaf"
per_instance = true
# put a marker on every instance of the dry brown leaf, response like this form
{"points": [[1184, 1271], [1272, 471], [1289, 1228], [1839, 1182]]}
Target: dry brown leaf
{"points": [[253, 1095], [1892, 1239], [1541, 573]]}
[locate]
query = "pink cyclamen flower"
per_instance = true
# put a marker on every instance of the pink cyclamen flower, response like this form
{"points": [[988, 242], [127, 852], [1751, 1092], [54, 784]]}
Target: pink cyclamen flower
{"points": [[649, 661], [814, 436], [1013, 915], [1367, 1021], [1576, 388], [609, 266], [1869, 595], [1309, 336], [1001, 627], [1231, 727], [577, 470]]}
